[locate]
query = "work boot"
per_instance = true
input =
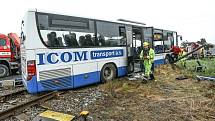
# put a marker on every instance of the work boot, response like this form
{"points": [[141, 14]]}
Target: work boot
{"points": [[145, 80], [151, 77]]}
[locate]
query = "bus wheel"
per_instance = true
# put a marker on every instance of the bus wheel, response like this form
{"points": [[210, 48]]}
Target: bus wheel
{"points": [[4, 71], [108, 73], [130, 67], [167, 59]]}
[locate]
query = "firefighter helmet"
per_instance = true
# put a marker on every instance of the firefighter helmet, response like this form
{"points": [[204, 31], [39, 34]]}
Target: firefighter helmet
{"points": [[145, 44]]}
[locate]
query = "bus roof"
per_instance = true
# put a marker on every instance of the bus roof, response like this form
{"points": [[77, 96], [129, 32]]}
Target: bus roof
{"points": [[136, 24]]}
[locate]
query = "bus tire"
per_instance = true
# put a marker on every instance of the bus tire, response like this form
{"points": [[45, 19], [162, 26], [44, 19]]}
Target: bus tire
{"points": [[4, 71], [108, 73], [167, 59], [130, 67]]}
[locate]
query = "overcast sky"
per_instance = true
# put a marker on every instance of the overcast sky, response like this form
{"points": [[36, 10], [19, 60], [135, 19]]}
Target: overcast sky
{"points": [[194, 19]]}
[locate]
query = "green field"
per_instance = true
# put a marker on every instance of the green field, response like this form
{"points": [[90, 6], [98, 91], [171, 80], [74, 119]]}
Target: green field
{"points": [[192, 64]]}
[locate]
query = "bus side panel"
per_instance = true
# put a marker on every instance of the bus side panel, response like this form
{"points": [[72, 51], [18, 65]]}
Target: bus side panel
{"points": [[52, 76], [85, 74], [159, 59], [122, 65], [31, 85], [122, 69], [55, 84]]}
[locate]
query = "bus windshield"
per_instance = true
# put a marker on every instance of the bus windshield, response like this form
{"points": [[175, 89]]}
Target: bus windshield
{"points": [[2, 42]]}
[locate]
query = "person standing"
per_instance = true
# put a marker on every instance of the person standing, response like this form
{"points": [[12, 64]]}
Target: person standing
{"points": [[175, 53], [147, 55], [183, 60]]}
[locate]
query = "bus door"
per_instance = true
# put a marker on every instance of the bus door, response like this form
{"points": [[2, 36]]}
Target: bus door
{"points": [[137, 46], [148, 35]]}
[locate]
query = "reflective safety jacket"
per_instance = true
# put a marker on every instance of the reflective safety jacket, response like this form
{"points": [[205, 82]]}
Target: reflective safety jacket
{"points": [[181, 54], [149, 56]]}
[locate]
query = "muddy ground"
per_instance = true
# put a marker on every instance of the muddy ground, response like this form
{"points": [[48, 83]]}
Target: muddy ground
{"points": [[167, 99]]}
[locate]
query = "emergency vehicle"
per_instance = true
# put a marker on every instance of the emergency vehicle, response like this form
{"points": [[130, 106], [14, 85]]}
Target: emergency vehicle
{"points": [[9, 54]]}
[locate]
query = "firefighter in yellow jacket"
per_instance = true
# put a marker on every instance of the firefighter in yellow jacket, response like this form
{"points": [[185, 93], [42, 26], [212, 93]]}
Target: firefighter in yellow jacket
{"points": [[147, 55], [183, 60]]}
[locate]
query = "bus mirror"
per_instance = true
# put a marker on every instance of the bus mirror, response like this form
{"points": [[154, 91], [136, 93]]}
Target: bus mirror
{"points": [[179, 37]]}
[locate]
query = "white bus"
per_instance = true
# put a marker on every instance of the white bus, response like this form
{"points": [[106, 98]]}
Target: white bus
{"points": [[64, 52]]}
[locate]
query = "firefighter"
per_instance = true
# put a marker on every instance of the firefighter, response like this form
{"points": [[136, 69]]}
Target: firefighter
{"points": [[183, 60], [175, 52], [147, 55]]}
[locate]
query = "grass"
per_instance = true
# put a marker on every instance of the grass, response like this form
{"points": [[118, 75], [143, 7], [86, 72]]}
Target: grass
{"points": [[192, 64], [166, 99]]}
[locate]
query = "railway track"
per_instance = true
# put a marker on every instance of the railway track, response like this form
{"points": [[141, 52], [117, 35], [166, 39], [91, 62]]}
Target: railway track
{"points": [[14, 110], [7, 95]]}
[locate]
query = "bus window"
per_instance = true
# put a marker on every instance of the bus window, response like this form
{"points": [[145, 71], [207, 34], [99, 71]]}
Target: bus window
{"points": [[70, 40], [148, 37], [43, 22], [158, 43], [86, 40], [168, 40], [65, 31], [110, 34], [53, 40], [158, 46]]}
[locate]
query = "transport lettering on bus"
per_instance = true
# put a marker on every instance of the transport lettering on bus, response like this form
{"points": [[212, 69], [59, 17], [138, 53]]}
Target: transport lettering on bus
{"points": [[100, 54], [66, 57]]}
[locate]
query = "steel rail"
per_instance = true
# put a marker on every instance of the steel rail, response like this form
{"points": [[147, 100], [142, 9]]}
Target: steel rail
{"points": [[18, 108], [3, 97]]}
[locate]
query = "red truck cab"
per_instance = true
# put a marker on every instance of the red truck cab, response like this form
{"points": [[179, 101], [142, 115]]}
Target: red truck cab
{"points": [[9, 54], [4, 47]]}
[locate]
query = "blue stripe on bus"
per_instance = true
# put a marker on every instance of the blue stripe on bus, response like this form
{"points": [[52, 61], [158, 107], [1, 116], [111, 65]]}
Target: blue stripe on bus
{"points": [[86, 79], [158, 62], [30, 85], [122, 71], [34, 86], [55, 84]]}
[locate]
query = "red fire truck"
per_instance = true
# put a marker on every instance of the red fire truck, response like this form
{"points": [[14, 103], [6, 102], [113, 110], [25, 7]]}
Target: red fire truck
{"points": [[9, 54]]}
